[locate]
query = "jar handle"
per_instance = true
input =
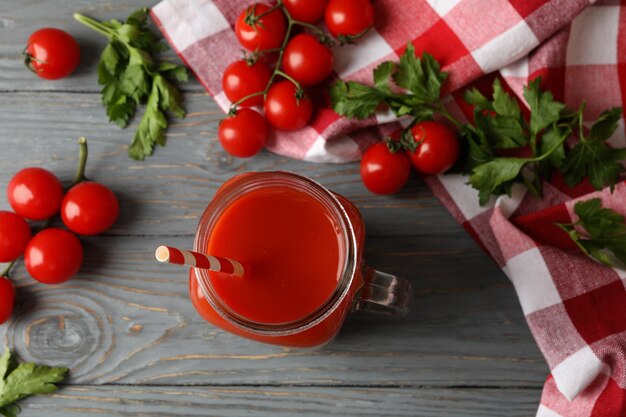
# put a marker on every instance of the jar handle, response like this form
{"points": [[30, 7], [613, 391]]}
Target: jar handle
{"points": [[384, 293]]}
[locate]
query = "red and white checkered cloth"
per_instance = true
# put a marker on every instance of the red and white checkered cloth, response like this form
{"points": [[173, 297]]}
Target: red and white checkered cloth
{"points": [[575, 308]]}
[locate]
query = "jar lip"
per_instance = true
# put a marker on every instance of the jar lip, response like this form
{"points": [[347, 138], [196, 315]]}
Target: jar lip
{"points": [[232, 190]]}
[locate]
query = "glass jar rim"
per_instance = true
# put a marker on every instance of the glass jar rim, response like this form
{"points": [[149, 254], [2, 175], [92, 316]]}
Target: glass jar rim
{"points": [[235, 188]]}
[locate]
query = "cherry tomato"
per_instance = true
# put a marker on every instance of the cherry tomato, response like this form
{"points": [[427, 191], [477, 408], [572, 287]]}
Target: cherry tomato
{"points": [[7, 297], [35, 193], [267, 33], [52, 53], [382, 171], [438, 150], [89, 208], [306, 60], [284, 110], [14, 236], [308, 11], [241, 79], [53, 256], [244, 134], [349, 18]]}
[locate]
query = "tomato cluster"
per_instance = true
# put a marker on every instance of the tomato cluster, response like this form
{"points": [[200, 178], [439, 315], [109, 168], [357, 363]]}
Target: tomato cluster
{"points": [[431, 147], [279, 66], [53, 255]]}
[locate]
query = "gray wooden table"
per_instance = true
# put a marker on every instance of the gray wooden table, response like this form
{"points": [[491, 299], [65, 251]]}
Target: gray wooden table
{"points": [[125, 326]]}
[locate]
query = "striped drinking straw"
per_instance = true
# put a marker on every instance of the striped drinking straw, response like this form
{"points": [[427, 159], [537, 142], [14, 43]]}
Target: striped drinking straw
{"points": [[168, 254]]}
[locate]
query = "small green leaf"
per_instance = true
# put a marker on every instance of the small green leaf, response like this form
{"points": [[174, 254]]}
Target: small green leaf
{"points": [[596, 161], [490, 177], [553, 137], [476, 98], [607, 123], [503, 103], [544, 110], [382, 75], [603, 231], [352, 99], [109, 59], [422, 76]]}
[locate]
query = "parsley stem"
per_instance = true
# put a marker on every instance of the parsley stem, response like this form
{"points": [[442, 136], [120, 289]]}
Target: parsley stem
{"points": [[94, 24], [5, 272], [82, 161], [445, 113]]}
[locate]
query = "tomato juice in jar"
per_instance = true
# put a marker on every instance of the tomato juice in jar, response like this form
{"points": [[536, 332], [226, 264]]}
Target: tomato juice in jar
{"points": [[302, 247]]}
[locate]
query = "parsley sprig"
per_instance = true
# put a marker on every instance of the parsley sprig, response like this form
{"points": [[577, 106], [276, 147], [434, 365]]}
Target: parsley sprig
{"points": [[18, 381], [599, 232], [131, 76], [498, 125]]}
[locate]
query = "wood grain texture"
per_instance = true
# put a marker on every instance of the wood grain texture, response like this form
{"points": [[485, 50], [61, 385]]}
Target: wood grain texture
{"points": [[282, 401], [166, 194], [127, 319]]}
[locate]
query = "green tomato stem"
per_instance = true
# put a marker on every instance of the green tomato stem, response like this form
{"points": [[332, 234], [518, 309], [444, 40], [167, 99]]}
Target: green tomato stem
{"points": [[82, 161], [5, 272]]}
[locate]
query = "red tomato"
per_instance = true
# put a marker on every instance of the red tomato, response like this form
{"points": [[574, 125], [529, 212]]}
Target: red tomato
{"points": [[241, 79], [267, 33], [308, 11], [438, 150], [382, 171], [7, 297], [244, 134], [53, 256], [349, 18], [306, 60], [35, 193], [89, 208], [52, 53], [14, 236], [284, 110]]}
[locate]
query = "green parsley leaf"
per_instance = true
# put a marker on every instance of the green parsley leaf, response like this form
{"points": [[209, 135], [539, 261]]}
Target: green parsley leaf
{"points": [[503, 103], [421, 76], [496, 175], [596, 161], [607, 123], [382, 75], [553, 137], [544, 110], [352, 99], [131, 76], [604, 231], [24, 380], [476, 98]]}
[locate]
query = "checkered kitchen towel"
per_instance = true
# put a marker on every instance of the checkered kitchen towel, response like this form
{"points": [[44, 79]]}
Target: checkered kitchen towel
{"points": [[576, 309]]}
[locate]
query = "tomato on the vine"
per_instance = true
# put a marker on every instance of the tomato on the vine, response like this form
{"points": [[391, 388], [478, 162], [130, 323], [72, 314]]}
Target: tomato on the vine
{"points": [[241, 79], [349, 18], [437, 149], [284, 109], [307, 60], [7, 297], [35, 193], [53, 256], [257, 34], [14, 236], [383, 171], [52, 53], [308, 11], [89, 208], [244, 134]]}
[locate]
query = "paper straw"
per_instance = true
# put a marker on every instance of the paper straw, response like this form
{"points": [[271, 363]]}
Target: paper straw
{"points": [[168, 254]]}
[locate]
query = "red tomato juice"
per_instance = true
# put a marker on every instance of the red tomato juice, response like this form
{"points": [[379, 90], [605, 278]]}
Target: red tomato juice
{"points": [[294, 252]]}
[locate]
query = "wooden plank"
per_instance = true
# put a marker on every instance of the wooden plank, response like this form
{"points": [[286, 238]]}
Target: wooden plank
{"points": [[284, 401], [127, 319], [167, 193], [18, 19]]}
